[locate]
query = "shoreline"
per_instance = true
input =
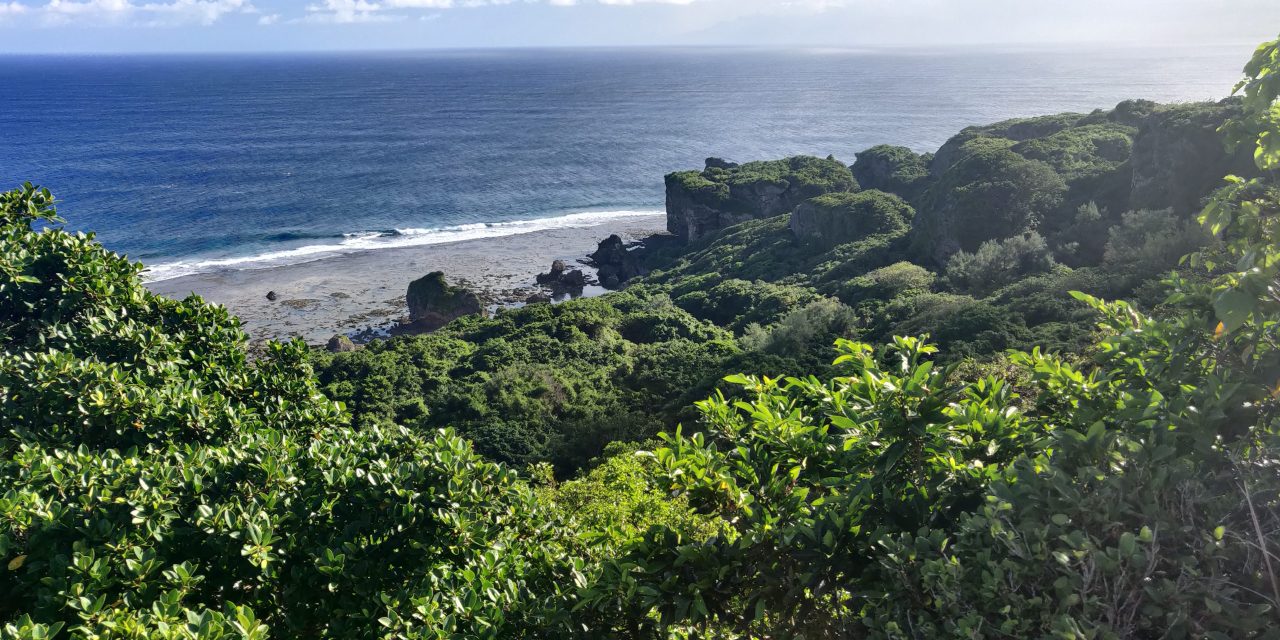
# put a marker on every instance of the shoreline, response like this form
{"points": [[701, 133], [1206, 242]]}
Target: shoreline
{"points": [[363, 293]]}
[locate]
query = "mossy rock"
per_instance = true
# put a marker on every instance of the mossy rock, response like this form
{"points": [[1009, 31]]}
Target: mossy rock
{"points": [[701, 203], [837, 218], [892, 169], [433, 303]]}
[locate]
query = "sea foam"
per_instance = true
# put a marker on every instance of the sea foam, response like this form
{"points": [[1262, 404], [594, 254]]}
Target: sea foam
{"points": [[362, 241]]}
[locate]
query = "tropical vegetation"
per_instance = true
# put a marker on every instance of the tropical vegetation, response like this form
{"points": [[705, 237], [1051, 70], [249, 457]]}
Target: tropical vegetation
{"points": [[988, 455]]}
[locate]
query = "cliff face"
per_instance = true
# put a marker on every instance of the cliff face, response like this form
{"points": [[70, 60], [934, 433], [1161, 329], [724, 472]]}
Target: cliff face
{"points": [[1178, 157], [896, 170], [700, 203], [1072, 176], [837, 218]]}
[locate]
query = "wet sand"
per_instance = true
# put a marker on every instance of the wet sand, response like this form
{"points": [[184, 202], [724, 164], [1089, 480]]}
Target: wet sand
{"points": [[359, 292]]}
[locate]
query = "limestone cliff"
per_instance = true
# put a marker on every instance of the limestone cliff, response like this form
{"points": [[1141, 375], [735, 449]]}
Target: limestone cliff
{"points": [[700, 203], [1179, 157], [837, 218]]}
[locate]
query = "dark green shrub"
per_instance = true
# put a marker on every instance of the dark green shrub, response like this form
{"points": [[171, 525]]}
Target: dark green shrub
{"points": [[999, 263]]}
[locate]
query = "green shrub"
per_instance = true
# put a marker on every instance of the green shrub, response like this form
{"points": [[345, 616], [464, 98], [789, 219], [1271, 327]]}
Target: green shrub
{"points": [[1147, 243], [901, 279], [821, 321], [999, 263]]}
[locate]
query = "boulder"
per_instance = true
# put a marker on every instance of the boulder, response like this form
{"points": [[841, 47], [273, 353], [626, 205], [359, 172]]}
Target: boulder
{"points": [[434, 303], [615, 262], [553, 276], [537, 298], [573, 280], [272, 296], [340, 344], [560, 280]]}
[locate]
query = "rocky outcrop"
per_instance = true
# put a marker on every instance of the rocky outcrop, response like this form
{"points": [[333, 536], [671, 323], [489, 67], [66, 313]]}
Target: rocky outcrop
{"points": [[1008, 132], [1139, 155], [563, 280], [700, 203], [839, 218], [896, 170], [1179, 157], [433, 303], [615, 263], [340, 344], [720, 163], [990, 194], [1133, 113], [553, 276]]}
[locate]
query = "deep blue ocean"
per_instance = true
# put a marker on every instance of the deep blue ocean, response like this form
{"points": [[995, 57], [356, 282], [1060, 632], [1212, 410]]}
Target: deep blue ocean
{"points": [[202, 162]]}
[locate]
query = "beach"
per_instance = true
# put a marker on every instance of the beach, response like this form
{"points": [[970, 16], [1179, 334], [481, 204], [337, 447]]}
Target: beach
{"points": [[363, 293]]}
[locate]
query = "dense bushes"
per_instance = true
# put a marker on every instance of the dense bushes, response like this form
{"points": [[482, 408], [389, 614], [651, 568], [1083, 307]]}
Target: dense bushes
{"points": [[158, 484], [998, 263], [532, 384]]}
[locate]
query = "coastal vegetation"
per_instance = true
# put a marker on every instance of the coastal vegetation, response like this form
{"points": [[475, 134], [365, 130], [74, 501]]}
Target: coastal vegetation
{"points": [[995, 447]]}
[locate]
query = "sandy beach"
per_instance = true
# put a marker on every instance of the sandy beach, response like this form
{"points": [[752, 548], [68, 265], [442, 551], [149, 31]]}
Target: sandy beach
{"points": [[357, 292]]}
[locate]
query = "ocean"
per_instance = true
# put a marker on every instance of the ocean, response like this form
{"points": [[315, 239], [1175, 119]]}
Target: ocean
{"points": [[200, 163]]}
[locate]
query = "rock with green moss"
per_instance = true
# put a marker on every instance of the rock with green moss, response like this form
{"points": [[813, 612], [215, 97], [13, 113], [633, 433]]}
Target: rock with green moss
{"points": [[700, 203], [340, 344], [896, 170], [433, 303], [991, 193], [837, 218]]}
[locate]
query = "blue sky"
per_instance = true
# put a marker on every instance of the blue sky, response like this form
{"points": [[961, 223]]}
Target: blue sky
{"points": [[281, 25]]}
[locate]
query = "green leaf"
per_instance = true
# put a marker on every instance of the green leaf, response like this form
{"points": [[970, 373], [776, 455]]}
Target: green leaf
{"points": [[1233, 308]]}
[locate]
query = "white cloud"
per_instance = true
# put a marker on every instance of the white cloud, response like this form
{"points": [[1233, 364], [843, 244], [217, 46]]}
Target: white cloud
{"points": [[420, 4], [206, 12], [347, 12], [127, 12]]}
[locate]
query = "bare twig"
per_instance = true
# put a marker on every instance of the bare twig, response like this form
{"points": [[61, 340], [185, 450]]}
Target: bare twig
{"points": [[1262, 540]]}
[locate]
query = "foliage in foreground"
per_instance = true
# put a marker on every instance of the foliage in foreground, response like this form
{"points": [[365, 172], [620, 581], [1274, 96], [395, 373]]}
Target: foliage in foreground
{"points": [[157, 484]]}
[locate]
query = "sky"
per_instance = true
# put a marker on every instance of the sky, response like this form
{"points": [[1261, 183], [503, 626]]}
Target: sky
{"points": [[119, 26]]}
